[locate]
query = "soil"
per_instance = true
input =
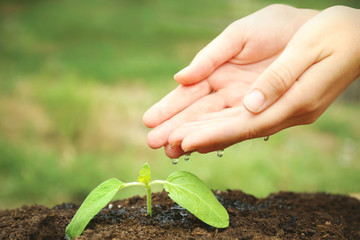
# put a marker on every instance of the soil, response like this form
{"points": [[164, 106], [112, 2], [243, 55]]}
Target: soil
{"points": [[284, 215]]}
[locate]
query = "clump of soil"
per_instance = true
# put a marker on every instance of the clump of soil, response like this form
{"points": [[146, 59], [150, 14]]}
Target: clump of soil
{"points": [[284, 215]]}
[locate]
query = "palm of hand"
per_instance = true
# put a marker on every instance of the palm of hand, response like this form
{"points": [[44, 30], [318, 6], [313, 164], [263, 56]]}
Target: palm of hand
{"points": [[233, 79]]}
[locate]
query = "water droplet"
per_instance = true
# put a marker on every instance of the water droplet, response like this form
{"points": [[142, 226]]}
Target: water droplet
{"points": [[220, 153], [187, 157], [174, 161], [110, 206], [266, 138]]}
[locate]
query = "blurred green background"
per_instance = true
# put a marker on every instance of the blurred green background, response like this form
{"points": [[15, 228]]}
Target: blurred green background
{"points": [[76, 77]]}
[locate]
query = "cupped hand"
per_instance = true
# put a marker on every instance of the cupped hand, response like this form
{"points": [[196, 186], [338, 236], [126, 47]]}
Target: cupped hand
{"points": [[319, 63], [220, 74], [206, 113]]}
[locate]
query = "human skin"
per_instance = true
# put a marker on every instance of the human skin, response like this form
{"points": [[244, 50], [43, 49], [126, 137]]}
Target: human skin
{"points": [[277, 68]]}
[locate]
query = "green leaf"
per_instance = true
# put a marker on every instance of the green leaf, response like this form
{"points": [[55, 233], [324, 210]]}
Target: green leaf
{"points": [[191, 193], [94, 202], [145, 174]]}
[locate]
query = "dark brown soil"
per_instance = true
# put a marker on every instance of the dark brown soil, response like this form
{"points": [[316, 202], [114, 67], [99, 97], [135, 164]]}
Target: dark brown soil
{"points": [[283, 215]]}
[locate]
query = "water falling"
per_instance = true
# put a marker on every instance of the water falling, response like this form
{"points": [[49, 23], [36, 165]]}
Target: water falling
{"points": [[220, 153], [174, 161], [266, 138], [187, 157]]}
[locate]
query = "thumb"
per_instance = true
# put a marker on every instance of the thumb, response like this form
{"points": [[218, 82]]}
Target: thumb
{"points": [[279, 76], [225, 46]]}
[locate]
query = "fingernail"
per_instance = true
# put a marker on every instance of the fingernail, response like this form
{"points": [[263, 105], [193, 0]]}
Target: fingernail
{"points": [[181, 72], [254, 101]]}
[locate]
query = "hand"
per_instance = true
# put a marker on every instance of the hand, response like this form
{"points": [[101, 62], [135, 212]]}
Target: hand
{"points": [[220, 75], [231, 71]]}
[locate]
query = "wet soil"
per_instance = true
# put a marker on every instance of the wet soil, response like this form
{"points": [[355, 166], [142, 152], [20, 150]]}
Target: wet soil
{"points": [[283, 215]]}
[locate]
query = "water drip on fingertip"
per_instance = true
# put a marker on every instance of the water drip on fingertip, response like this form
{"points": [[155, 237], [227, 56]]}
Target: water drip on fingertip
{"points": [[220, 153], [174, 161]]}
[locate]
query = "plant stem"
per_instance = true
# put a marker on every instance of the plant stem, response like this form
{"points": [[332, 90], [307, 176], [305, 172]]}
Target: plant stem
{"points": [[148, 194], [148, 198], [148, 191]]}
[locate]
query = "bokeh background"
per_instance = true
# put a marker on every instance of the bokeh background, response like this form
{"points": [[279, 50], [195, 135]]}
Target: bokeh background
{"points": [[76, 77]]}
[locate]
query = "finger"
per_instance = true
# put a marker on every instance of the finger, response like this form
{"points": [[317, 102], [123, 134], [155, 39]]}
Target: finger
{"points": [[193, 127], [177, 100], [221, 133], [320, 85], [299, 55], [158, 137], [225, 46], [172, 152], [178, 135]]}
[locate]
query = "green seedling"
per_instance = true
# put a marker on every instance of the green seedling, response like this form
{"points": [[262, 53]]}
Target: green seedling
{"points": [[184, 188]]}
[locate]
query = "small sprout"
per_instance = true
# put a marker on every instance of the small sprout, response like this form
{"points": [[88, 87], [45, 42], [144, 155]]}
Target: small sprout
{"points": [[184, 188]]}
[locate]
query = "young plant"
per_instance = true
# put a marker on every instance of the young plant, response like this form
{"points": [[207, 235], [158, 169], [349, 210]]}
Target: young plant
{"points": [[184, 188]]}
